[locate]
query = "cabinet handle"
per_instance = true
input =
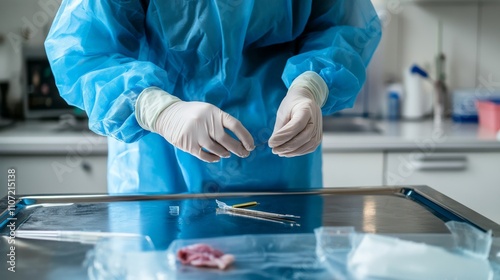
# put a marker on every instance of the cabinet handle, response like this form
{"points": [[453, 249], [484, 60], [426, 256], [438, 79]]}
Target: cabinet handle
{"points": [[440, 163], [86, 167]]}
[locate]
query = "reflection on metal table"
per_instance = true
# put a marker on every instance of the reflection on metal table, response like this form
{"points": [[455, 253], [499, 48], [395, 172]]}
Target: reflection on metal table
{"points": [[391, 210]]}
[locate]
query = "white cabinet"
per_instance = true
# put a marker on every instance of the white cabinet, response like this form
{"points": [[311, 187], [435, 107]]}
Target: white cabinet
{"points": [[471, 178], [55, 174], [352, 169]]}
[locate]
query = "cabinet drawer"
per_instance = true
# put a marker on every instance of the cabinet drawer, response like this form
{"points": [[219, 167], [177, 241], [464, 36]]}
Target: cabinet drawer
{"points": [[472, 179], [56, 174], [352, 169]]}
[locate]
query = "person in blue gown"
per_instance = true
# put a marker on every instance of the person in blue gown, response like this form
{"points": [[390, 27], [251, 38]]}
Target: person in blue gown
{"points": [[215, 95]]}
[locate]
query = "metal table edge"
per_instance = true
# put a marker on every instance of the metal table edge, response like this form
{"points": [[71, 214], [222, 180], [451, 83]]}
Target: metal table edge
{"points": [[431, 199], [452, 206]]}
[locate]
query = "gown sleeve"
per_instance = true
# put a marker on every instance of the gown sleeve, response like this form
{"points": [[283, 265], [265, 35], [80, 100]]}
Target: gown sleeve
{"points": [[98, 53], [337, 43]]}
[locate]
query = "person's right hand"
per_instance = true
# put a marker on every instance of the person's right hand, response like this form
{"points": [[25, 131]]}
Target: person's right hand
{"points": [[199, 129]]}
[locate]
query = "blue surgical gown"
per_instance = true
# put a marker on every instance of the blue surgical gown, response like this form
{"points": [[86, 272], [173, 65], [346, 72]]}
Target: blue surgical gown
{"points": [[239, 55]]}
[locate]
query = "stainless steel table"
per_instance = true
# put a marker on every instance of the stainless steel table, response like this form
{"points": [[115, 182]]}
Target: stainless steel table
{"points": [[392, 210]]}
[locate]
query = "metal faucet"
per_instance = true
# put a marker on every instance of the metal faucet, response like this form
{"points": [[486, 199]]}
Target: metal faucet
{"points": [[441, 94]]}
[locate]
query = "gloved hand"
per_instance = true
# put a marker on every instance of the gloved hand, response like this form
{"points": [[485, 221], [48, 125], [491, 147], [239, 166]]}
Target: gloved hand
{"points": [[194, 127], [299, 124]]}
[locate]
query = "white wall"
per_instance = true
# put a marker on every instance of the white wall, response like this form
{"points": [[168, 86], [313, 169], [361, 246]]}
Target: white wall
{"points": [[489, 43], [35, 15], [471, 40]]}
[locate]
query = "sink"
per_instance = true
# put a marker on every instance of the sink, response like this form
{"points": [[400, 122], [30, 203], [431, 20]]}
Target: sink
{"points": [[350, 125]]}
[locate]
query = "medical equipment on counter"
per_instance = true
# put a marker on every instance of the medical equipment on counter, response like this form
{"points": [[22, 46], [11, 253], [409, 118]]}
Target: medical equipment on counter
{"points": [[257, 213], [246, 204], [73, 236]]}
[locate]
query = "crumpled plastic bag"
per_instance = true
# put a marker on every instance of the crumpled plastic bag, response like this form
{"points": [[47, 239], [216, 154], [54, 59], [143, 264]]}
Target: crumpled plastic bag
{"points": [[350, 255], [391, 258]]}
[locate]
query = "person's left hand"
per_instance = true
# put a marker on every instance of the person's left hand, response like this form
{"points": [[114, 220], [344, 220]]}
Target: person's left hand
{"points": [[299, 124]]}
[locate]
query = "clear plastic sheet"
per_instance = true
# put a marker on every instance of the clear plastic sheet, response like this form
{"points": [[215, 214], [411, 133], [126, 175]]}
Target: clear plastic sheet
{"points": [[461, 255], [377, 256], [111, 257], [271, 256], [470, 240], [333, 245], [327, 254]]}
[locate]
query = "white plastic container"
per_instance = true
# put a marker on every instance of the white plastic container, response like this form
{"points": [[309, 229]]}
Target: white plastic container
{"points": [[417, 98]]}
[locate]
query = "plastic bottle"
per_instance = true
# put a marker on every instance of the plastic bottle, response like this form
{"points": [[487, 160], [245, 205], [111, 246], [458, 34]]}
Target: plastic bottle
{"points": [[416, 98], [393, 106], [394, 93]]}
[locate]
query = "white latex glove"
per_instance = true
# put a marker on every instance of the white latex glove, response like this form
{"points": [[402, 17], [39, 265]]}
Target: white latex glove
{"points": [[194, 127], [299, 123]]}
